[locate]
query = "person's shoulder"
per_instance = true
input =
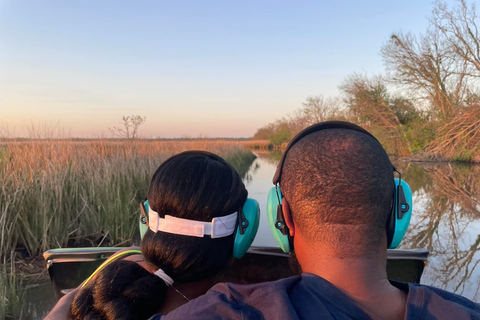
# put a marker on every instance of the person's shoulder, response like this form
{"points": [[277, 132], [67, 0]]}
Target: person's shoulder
{"points": [[444, 295], [426, 302], [237, 301], [249, 292]]}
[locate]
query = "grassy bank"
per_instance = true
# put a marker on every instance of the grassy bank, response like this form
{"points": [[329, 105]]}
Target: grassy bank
{"points": [[66, 193]]}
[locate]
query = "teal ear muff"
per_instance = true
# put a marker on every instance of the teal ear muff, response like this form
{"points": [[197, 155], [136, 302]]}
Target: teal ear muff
{"points": [[143, 222], [248, 221], [401, 214], [276, 220]]}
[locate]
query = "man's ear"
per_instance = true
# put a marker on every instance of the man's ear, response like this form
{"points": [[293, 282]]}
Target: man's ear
{"points": [[287, 215]]}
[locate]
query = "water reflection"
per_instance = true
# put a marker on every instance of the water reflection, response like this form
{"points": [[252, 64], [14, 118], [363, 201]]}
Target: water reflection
{"points": [[258, 185], [446, 219], [37, 299]]}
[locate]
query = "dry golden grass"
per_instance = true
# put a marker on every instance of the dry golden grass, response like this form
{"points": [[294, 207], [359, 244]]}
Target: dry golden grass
{"points": [[459, 138], [58, 192]]}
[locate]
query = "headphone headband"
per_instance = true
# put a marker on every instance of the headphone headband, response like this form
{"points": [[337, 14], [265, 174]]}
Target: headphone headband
{"points": [[312, 129], [217, 228]]}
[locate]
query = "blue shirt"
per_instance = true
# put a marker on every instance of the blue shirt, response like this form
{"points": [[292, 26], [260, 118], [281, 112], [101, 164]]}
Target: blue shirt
{"points": [[311, 297]]}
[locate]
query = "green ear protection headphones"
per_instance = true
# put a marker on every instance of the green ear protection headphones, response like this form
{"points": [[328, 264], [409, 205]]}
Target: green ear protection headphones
{"points": [[397, 222], [248, 217]]}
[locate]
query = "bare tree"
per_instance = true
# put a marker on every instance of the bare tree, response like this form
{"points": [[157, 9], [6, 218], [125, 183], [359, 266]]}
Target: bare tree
{"points": [[426, 65], [129, 128], [460, 30], [318, 109], [443, 64]]}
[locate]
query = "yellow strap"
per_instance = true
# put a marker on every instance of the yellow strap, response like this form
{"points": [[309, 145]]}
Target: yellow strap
{"points": [[108, 261]]}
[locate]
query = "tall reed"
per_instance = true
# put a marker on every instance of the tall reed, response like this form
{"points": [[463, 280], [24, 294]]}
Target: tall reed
{"points": [[55, 193]]}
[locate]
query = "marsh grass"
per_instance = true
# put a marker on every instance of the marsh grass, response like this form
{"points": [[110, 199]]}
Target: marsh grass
{"points": [[10, 287], [58, 193]]}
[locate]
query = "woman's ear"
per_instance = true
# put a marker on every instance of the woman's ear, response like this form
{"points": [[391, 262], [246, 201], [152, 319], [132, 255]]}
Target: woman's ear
{"points": [[287, 215]]}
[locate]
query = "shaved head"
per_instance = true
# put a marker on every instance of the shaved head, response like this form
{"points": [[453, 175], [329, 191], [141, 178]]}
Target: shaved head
{"points": [[339, 184]]}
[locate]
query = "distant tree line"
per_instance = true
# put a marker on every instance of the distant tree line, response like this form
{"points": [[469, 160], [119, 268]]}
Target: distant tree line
{"points": [[427, 101]]}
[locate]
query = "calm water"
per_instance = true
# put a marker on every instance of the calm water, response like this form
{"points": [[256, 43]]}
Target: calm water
{"points": [[445, 220]]}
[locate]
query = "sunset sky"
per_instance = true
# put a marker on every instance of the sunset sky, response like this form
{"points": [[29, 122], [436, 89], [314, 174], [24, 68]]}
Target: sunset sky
{"points": [[193, 68]]}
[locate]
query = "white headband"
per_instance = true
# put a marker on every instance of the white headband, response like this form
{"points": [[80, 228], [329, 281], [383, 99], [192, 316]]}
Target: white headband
{"points": [[165, 277], [219, 227]]}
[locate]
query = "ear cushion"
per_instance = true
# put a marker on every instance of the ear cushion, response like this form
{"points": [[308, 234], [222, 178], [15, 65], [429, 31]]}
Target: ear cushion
{"points": [[143, 222], [273, 213], [251, 212], [402, 212]]}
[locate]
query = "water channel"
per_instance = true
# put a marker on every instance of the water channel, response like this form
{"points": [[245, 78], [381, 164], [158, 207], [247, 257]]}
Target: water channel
{"points": [[445, 220]]}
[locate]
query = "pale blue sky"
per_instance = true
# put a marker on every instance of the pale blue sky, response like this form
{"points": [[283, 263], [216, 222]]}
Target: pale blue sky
{"points": [[210, 68]]}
